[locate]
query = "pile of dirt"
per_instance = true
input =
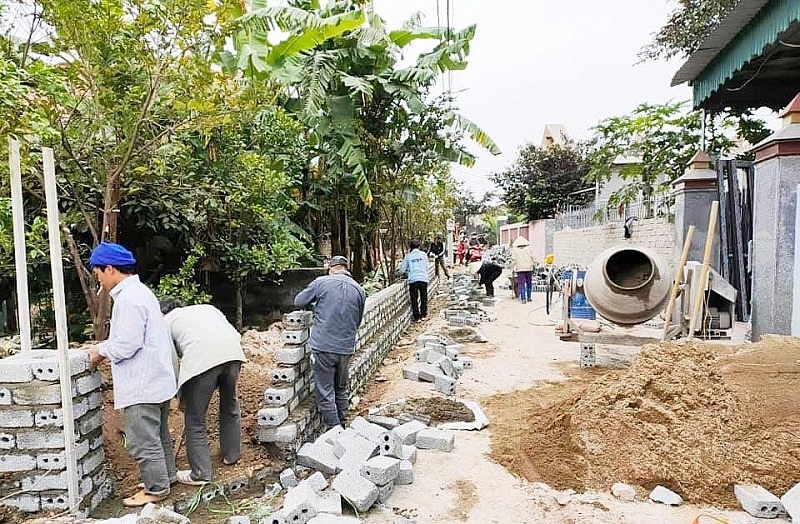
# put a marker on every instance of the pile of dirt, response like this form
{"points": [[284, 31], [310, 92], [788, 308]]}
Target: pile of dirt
{"points": [[694, 417]]}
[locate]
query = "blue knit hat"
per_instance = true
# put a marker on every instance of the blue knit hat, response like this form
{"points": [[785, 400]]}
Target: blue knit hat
{"points": [[111, 254]]}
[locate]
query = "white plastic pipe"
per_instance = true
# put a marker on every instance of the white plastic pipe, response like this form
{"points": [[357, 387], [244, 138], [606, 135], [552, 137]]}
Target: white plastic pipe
{"points": [[20, 256], [62, 337]]}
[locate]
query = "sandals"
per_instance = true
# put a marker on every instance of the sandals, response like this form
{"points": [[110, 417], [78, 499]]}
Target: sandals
{"points": [[185, 477], [141, 498]]}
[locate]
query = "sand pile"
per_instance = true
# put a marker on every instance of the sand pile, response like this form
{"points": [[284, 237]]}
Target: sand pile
{"points": [[678, 417]]}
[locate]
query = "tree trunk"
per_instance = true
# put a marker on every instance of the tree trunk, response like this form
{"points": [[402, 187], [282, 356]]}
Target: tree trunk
{"points": [[238, 288]]}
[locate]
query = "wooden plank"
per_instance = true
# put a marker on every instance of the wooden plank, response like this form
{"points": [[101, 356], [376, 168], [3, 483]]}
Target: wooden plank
{"points": [[62, 340], [676, 284], [701, 285], [20, 254]]}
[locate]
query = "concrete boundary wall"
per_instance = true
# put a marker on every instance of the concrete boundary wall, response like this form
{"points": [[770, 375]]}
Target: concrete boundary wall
{"points": [[290, 416], [32, 458], [580, 246]]}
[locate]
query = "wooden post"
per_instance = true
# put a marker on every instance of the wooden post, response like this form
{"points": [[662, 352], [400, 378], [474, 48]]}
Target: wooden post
{"points": [[20, 256], [701, 285], [62, 340], [676, 284]]}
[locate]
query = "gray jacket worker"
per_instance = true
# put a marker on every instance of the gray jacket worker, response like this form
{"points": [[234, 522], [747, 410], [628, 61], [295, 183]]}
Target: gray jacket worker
{"points": [[338, 308], [211, 358]]}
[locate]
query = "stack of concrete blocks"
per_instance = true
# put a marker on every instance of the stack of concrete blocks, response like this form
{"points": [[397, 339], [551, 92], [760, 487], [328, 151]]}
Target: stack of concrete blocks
{"points": [[368, 461], [32, 457], [438, 360], [290, 416]]}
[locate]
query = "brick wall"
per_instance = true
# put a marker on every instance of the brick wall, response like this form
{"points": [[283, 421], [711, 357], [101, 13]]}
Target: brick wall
{"points": [[290, 415], [582, 245], [32, 460]]}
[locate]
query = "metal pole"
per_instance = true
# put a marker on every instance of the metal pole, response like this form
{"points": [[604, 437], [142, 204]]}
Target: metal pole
{"points": [[20, 257], [62, 340]]}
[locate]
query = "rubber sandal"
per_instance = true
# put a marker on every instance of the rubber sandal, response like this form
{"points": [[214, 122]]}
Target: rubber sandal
{"points": [[229, 463], [140, 498], [142, 486], [185, 477]]}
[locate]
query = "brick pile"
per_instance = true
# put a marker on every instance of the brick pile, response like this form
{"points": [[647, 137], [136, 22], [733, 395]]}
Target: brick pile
{"points": [[32, 457]]}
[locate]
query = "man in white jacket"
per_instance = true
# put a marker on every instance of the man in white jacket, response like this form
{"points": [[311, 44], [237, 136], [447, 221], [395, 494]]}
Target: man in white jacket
{"points": [[523, 262], [211, 356]]}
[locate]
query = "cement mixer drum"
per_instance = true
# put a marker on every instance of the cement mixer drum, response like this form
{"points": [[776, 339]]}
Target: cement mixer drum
{"points": [[627, 284]]}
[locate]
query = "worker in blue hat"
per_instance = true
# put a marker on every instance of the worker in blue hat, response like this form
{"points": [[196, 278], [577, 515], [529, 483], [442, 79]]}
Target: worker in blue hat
{"points": [[139, 347]]}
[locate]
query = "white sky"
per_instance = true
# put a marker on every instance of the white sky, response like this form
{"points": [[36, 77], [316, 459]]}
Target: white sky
{"points": [[537, 62]]}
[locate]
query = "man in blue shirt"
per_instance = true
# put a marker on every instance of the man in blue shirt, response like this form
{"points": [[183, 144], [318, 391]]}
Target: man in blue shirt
{"points": [[139, 347], [338, 308], [415, 265]]}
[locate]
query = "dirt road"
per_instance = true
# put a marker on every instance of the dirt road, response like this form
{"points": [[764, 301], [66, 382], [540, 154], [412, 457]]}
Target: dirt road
{"points": [[467, 485]]}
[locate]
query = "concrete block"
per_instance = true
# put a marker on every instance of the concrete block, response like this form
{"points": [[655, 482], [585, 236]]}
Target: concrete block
{"points": [[238, 519], [422, 339], [89, 422], [435, 347], [284, 433], [407, 433], [391, 445], [380, 470], [665, 496], [319, 456], [16, 418], [324, 518], [288, 374], [300, 504], [757, 501], [272, 417], [15, 368], [5, 397], [367, 429], [409, 453], [288, 478], [9, 463], [421, 355], [45, 482], [153, 513], [290, 354], [89, 383], [405, 475], [95, 400], [36, 393], [54, 501], [276, 518], [432, 438], [316, 481], [298, 320], [278, 397], [50, 417], [434, 358], [331, 436], [342, 441], [294, 337], [92, 461], [356, 490], [358, 451], [791, 502], [7, 441], [39, 439], [329, 501], [411, 373], [445, 384], [458, 367], [429, 372], [25, 502], [384, 492], [446, 365], [385, 422], [467, 362]]}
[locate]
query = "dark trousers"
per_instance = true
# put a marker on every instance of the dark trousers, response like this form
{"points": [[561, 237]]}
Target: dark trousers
{"points": [[524, 285], [149, 443], [439, 263], [331, 386], [489, 273], [419, 299], [195, 397]]}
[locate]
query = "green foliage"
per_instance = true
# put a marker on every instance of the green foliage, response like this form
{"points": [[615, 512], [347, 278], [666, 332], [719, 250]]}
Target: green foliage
{"points": [[183, 284], [686, 28], [543, 180]]}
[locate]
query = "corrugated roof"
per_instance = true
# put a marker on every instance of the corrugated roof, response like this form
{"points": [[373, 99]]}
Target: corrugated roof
{"points": [[719, 38]]}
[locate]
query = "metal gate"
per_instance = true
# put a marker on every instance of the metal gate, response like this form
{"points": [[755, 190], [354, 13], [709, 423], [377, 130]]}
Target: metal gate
{"points": [[735, 185]]}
